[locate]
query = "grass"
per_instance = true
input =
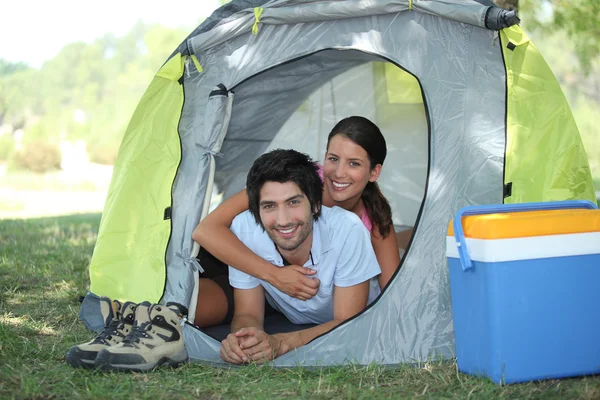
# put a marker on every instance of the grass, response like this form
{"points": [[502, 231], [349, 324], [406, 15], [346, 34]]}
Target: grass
{"points": [[43, 268]]}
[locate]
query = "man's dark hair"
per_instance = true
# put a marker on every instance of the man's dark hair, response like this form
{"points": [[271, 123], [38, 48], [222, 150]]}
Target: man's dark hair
{"points": [[284, 166]]}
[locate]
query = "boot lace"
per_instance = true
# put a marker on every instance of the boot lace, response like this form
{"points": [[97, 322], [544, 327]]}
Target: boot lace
{"points": [[137, 333], [108, 332]]}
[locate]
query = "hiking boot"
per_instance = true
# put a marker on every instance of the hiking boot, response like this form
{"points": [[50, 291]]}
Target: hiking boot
{"points": [[118, 323], [156, 339]]}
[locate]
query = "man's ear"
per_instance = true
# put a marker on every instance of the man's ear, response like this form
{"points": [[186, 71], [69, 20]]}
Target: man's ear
{"points": [[316, 210], [375, 172]]}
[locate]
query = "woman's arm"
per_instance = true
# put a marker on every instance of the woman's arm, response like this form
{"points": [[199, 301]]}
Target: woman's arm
{"points": [[213, 234], [386, 251], [403, 238]]}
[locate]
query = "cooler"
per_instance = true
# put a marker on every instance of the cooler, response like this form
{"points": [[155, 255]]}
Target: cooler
{"points": [[525, 286]]}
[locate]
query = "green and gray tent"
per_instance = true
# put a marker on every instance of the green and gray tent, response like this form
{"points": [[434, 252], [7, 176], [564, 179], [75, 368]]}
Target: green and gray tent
{"points": [[470, 111]]}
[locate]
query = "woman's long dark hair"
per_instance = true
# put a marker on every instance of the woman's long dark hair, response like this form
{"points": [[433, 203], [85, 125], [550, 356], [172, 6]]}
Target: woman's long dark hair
{"points": [[367, 135]]}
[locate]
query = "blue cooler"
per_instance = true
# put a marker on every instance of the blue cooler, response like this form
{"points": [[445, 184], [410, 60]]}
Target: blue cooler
{"points": [[525, 285]]}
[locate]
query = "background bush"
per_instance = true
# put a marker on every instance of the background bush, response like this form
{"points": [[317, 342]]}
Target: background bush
{"points": [[102, 154], [37, 156], [7, 146]]}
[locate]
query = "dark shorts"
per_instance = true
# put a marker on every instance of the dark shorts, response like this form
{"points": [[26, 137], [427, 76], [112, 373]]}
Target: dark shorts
{"points": [[217, 272]]}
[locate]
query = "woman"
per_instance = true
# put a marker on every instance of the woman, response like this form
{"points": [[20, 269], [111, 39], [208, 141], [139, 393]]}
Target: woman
{"points": [[356, 150]]}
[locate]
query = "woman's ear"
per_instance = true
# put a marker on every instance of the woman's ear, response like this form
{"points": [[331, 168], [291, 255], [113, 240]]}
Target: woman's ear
{"points": [[375, 172]]}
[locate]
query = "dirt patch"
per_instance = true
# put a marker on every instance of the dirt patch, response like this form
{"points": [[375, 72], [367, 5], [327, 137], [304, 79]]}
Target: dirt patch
{"points": [[19, 204]]}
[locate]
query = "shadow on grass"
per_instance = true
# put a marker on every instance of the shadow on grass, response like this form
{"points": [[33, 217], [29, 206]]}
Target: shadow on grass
{"points": [[43, 268]]}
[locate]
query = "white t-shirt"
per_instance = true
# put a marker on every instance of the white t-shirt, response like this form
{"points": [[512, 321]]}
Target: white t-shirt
{"points": [[342, 254]]}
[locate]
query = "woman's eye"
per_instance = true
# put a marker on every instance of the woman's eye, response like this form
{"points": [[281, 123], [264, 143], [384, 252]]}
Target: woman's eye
{"points": [[332, 159], [354, 164]]}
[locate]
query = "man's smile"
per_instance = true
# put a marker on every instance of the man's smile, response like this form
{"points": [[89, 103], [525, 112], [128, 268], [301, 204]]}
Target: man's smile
{"points": [[286, 232]]}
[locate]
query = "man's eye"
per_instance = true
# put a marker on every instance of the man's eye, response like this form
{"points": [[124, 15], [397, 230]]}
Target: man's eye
{"points": [[294, 202], [267, 206]]}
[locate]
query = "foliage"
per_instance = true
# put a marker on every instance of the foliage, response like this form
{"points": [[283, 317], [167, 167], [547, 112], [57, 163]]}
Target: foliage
{"points": [[578, 18], [37, 156], [43, 268], [507, 4], [7, 146], [89, 90], [102, 153], [7, 67]]}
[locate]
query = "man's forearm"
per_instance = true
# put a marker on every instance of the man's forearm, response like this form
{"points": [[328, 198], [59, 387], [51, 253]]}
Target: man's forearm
{"points": [[245, 321], [293, 340]]}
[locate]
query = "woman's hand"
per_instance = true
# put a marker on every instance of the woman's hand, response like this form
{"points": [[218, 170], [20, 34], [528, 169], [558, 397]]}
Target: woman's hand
{"points": [[296, 281]]}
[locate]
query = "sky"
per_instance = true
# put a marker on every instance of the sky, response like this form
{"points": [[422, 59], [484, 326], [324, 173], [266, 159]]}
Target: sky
{"points": [[34, 31]]}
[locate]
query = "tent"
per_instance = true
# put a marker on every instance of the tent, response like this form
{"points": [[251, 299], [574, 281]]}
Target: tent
{"points": [[470, 111]]}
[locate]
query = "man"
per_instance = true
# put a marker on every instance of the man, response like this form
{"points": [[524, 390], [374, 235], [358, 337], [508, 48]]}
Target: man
{"points": [[285, 224]]}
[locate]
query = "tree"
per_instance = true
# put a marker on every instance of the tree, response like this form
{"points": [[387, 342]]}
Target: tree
{"points": [[578, 18], [507, 4], [8, 68]]}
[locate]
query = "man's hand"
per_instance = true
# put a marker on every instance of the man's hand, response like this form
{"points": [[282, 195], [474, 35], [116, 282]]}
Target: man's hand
{"points": [[295, 281], [231, 350], [258, 346]]}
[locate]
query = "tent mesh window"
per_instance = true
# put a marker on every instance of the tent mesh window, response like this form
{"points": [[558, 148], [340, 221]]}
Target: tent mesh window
{"points": [[296, 104]]}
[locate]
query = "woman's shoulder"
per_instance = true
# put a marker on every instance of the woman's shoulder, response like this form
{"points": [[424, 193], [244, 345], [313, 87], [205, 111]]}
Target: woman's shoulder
{"points": [[366, 220]]}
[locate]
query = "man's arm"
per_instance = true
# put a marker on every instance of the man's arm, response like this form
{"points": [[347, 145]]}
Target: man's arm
{"points": [[249, 312], [249, 305], [347, 302]]}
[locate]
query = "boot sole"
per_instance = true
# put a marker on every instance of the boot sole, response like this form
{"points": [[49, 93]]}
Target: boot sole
{"points": [[103, 363], [75, 361]]}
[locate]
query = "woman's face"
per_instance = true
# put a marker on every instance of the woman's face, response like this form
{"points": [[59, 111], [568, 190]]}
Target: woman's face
{"points": [[347, 170]]}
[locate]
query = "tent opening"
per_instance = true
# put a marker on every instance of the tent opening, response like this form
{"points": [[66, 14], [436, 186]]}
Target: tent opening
{"points": [[297, 103]]}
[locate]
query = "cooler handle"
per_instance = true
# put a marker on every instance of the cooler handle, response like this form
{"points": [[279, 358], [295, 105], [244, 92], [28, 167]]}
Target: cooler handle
{"points": [[459, 236]]}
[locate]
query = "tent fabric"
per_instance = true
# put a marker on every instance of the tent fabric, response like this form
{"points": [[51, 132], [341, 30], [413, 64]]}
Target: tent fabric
{"points": [[290, 11], [450, 99], [218, 16], [553, 166], [133, 226], [416, 305]]}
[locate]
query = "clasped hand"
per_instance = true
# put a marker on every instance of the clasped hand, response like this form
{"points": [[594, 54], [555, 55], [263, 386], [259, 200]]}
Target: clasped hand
{"points": [[250, 345]]}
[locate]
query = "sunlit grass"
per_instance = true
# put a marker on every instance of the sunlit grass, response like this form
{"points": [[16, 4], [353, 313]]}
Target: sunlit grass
{"points": [[43, 269]]}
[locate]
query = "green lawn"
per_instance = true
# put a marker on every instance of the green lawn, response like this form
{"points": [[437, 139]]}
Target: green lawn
{"points": [[43, 268]]}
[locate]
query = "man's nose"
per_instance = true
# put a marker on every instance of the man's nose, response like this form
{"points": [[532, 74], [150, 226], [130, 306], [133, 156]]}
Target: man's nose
{"points": [[283, 217]]}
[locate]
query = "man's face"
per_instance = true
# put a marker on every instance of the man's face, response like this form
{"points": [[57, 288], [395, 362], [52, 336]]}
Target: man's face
{"points": [[286, 214]]}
